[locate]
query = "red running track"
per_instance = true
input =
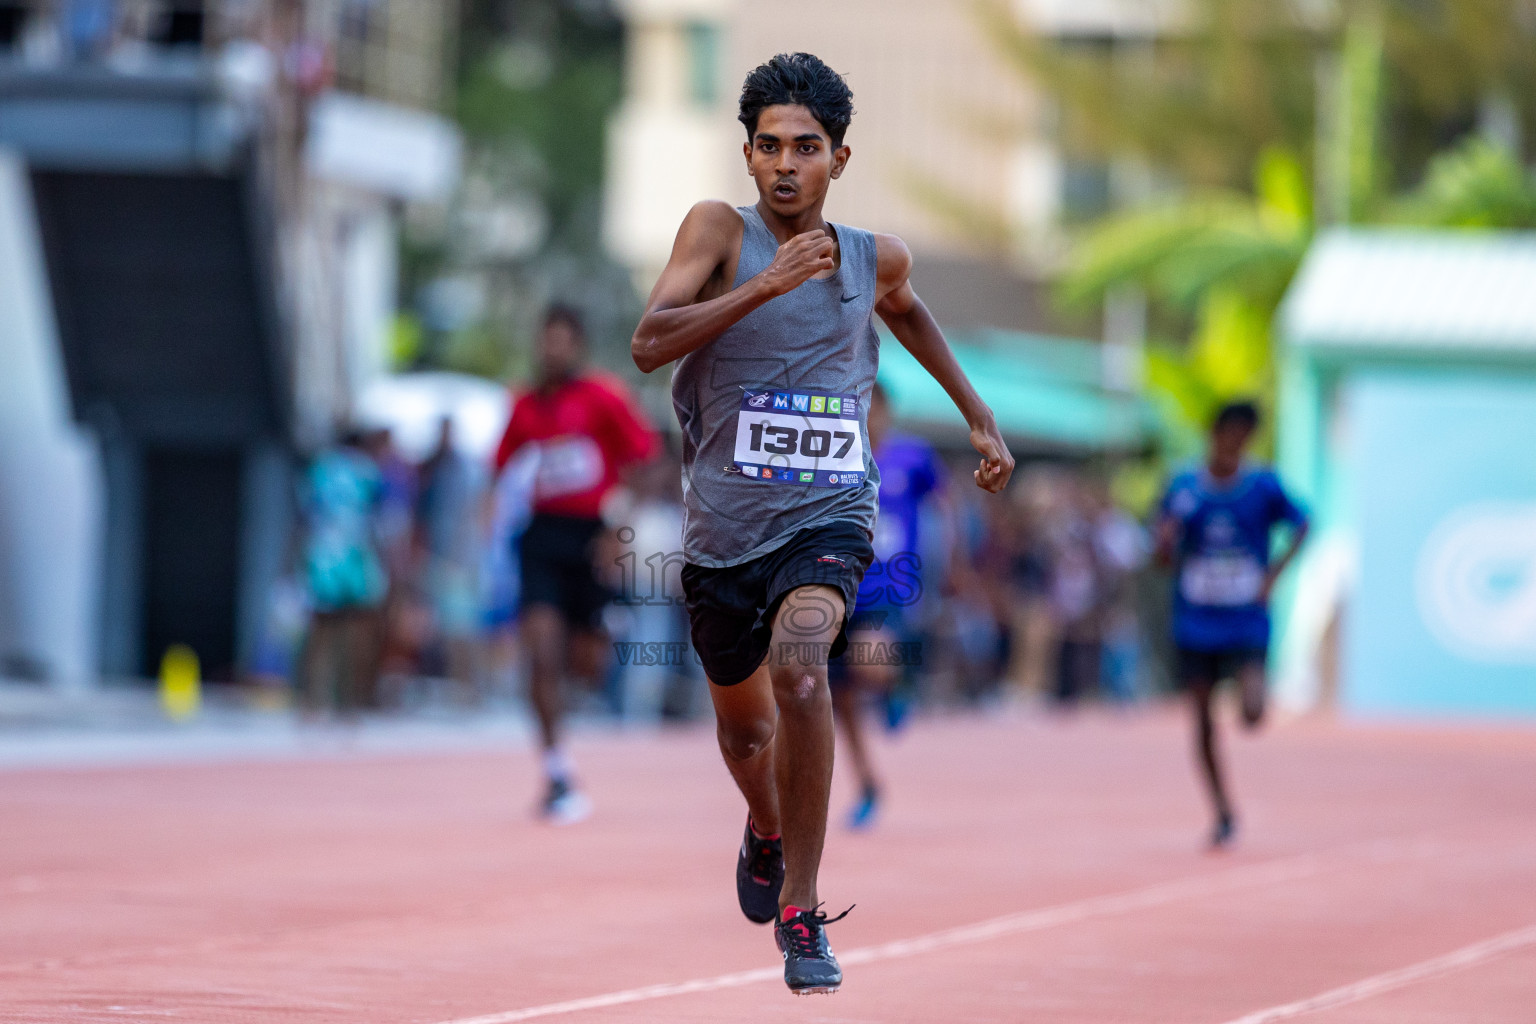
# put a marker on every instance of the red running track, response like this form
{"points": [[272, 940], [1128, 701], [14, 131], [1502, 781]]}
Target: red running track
{"points": [[1028, 869]]}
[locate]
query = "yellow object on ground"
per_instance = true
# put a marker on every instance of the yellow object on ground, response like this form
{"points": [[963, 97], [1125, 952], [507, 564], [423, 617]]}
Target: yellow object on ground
{"points": [[181, 684]]}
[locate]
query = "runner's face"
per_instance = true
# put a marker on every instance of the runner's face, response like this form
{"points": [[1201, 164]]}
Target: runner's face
{"points": [[1227, 447], [559, 352], [792, 159]]}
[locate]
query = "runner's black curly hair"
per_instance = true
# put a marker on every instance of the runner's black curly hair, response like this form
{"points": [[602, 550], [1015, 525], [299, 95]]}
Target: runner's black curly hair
{"points": [[800, 79], [1243, 414]]}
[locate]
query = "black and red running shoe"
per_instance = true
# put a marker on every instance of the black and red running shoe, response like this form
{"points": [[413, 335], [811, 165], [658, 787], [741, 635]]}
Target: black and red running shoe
{"points": [[759, 876], [809, 966]]}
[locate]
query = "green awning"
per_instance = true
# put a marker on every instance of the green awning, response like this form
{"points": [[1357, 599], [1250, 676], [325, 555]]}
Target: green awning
{"points": [[1046, 392]]}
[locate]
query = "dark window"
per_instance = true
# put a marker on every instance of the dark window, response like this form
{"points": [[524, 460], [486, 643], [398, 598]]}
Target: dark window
{"points": [[13, 22], [180, 24], [191, 556]]}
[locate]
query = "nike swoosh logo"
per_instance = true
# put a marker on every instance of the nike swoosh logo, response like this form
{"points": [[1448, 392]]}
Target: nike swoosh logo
{"points": [[850, 298]]}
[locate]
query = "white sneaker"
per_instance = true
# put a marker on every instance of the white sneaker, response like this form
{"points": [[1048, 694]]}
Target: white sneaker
{"points": [[564, 804]]}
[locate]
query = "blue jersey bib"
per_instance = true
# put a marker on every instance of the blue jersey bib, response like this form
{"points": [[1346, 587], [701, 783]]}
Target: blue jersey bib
{"points": [[1222, 556]]}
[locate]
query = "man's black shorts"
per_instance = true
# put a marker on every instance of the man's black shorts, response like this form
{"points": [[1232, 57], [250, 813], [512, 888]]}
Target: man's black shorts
{"points": [[731, 610], [555, 554], [1214, 666]]}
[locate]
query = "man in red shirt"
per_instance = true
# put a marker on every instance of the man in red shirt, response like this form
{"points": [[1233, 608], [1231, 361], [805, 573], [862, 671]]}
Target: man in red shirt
{"points": [[587, 431]]}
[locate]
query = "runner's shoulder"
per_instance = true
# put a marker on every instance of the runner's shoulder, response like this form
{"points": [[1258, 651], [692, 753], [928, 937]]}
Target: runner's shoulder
{"points": [[1183, 494], [522, 394], [711, 220], [1187, 478], [893, 258], [1261, 475]]}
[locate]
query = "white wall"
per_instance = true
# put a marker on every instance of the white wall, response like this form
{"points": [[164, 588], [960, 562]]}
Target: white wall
{"points": [[50, 480]]}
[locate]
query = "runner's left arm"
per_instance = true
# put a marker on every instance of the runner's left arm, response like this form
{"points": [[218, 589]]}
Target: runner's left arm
{"points": [[1165, 531], [1285, 510], [918, 332]]}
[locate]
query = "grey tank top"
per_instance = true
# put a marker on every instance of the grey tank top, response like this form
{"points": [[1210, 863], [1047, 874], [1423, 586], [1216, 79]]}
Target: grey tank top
{"points": [[770, 443]]}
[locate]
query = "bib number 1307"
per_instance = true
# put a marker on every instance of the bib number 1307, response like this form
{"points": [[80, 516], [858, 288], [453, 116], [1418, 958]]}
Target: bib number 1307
{"points": [[795, 441], [789, 437]]}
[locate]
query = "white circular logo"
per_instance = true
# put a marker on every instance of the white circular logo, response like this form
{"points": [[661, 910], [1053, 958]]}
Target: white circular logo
{"points": [[1476, 582]]}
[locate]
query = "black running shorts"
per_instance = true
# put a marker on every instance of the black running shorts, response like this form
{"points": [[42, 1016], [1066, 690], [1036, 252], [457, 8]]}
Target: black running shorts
{"points": [[1214, 666], [731, 610], [555, 554]]}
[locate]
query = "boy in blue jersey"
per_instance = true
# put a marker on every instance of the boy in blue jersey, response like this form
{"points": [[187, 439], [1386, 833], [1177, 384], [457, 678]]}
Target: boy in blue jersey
{"points": [[1215, 531]]}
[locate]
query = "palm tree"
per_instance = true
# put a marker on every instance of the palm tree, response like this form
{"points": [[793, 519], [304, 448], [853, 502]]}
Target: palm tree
{"points": [[1216, 263], [1227, 109]]}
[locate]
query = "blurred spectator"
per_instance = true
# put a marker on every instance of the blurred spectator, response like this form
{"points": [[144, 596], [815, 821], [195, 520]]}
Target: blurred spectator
{"points": [[1076, 595], [344, 577], [887, 610], [975, 627], [1123, 550], [407, 618], [507, 508], [447, 535], [1033, 619], [655, 681], [89, 26]]}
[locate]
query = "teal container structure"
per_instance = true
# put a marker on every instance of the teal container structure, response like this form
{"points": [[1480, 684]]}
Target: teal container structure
{"points": [[1408, 423], [1049, 394]]}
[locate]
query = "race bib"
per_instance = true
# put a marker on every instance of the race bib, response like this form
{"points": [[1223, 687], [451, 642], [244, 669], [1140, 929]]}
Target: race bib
{"points": [[804, 438], [567, 465], [1222, 580]]}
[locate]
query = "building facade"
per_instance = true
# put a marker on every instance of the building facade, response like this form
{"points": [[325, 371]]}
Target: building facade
{"points": [[952, 148]]}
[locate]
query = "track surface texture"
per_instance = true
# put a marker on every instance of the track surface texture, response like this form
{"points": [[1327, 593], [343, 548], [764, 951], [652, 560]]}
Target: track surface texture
{"points": [[1027, 868]]}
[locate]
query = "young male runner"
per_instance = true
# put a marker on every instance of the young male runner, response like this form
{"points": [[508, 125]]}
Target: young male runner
{"points": [[587, 431], [767, 310], [1215, 531], [911, 473]]}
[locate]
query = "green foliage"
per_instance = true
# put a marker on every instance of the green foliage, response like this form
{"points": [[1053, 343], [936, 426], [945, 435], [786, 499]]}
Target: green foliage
{"points": [[1224, 106], [1200, 103], [1228, 79], [537, 81], [481, 350], [545, 89], [1475, 185], [405, 341], [1217, 267]]}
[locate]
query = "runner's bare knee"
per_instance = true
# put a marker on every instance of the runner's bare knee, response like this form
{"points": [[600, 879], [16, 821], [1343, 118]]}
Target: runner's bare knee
{"points": [[744, 739]]}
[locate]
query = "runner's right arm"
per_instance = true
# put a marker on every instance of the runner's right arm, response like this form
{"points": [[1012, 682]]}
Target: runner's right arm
{"points": [[677, 323], [1165, 531]]}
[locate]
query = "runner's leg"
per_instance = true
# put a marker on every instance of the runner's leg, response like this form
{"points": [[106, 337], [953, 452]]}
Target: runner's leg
{"points": [[846, 705], [1201, 692], [745, 718], [544, 636], [867, 677], [807, 622], [587, 656], [1253, 683]]}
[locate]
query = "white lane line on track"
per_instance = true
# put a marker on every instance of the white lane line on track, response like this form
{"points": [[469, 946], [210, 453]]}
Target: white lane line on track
{"points": [[1250, 876], [1467, 956]]}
